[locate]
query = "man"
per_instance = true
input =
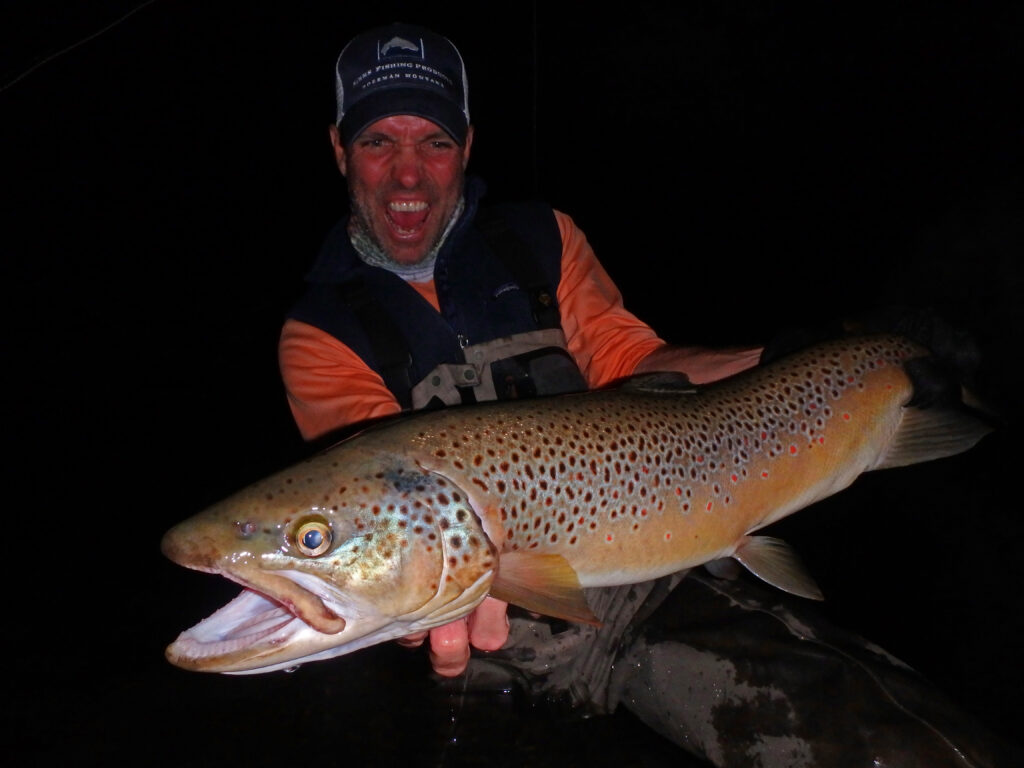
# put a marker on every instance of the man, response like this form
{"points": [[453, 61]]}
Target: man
{"points": [[422, 298]]}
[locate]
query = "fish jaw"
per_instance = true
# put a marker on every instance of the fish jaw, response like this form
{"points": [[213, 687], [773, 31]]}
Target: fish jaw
{"points": [[403, 552], [245, 635], [254, 634]]}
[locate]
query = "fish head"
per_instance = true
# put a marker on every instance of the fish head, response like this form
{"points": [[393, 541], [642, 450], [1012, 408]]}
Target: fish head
{"points": [[331, 561]]}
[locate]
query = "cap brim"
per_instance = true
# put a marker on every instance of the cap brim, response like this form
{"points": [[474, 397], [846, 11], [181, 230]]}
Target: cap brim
{"points": [[389, 102]]}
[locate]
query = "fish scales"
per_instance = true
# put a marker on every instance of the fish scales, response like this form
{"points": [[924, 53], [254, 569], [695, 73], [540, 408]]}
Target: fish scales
{"points": [[668, 481], [412, 522]]}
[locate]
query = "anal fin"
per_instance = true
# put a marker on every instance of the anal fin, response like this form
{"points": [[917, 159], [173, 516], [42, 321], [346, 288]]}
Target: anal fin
{"points": [[775, 562]]}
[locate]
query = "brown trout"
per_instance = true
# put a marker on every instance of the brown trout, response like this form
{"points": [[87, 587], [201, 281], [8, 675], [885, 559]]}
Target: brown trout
{"points": [[410, 524]]}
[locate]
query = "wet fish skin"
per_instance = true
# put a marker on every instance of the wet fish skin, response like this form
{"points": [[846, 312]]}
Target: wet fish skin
{"points": [[534, 500], [386, 577]]}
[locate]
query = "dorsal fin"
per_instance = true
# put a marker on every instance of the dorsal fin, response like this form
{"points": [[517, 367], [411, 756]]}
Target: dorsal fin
{"points": [[660, 383]]}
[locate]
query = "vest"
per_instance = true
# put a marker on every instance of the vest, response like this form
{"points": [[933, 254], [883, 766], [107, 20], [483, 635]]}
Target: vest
{"points": [[498, 334]]}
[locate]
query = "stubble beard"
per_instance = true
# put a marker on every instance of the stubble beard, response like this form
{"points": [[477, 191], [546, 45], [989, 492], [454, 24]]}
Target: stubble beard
{"points": [[369, 245]]}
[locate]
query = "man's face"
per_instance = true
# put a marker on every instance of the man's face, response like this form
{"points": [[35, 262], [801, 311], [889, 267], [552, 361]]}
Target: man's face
{"points": [[405, 177]]}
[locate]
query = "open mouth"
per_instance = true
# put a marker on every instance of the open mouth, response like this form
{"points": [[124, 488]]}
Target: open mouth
{"points": [[254, 625], [408, 216], [247, 621]]}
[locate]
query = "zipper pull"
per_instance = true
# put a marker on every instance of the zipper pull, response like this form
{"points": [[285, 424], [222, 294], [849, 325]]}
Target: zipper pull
{"points": [[463, 341]]}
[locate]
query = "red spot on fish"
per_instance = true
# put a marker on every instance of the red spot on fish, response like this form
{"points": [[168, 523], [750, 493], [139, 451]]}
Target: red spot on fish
{"points": [[735, 478], [846, 417], [792, 450], [668, 536], [764, 473], [709, 506], [609, 537]]}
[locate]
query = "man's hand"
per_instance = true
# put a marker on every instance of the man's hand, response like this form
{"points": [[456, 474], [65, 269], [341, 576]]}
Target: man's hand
{"points": [[486, 628]]}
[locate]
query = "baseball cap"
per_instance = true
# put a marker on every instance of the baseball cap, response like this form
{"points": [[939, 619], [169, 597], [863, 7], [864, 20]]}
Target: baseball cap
{"points": [[401, 69]]}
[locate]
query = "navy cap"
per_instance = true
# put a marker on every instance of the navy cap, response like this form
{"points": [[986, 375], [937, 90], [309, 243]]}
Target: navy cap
{"points": [[401, 69]]}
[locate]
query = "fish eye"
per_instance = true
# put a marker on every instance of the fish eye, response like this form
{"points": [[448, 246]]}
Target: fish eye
{"points": [[313, 538]]}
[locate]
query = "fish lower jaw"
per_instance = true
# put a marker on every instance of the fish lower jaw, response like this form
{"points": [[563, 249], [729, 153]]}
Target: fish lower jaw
{"points": [[253, 634], [232, 633]]}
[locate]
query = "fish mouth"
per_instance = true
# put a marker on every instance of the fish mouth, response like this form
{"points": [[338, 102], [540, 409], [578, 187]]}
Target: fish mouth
{"points": [[269, 616], [256, 633], [231, 638], [272, 614]]}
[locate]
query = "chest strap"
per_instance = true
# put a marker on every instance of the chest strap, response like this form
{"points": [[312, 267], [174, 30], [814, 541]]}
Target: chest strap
{"points": [[519, 260]]}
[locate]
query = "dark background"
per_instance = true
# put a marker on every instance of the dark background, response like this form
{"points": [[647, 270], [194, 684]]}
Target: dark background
{"points": [[740, 167]]}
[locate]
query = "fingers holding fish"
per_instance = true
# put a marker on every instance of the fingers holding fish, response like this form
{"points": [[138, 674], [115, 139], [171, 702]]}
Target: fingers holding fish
{"points": [[488, 625], [485, 629], [449, 648]]}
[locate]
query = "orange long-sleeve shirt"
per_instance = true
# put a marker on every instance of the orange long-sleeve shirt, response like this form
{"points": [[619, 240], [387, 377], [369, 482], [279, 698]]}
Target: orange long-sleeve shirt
{"points": [[329, 386]]}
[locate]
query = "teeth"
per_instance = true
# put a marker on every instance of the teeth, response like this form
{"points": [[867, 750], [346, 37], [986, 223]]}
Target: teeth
{"points": [[407, 205]]}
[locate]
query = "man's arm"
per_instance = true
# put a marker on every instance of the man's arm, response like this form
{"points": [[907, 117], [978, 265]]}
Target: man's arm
{"points": [[700, 365], [608, 341], [327, 384]]}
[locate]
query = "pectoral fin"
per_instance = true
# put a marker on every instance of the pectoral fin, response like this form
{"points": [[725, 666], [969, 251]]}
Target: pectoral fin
{"points": [[545, 584], [774, 561]]}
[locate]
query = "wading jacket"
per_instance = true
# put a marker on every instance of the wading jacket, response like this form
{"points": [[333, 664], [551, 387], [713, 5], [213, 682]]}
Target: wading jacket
{"points": [[519, 306]]}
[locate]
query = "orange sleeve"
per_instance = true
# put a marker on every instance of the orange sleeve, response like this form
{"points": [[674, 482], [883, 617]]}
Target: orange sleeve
{"points": [[609, 342], [606, 340], [327, 384]]}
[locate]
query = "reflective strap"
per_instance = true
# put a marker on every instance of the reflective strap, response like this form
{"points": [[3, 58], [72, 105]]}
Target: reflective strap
{"points": [[444, 381], [443, 384]]}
